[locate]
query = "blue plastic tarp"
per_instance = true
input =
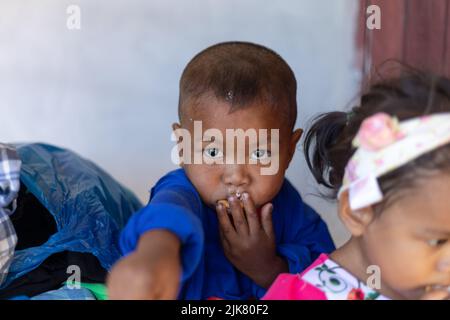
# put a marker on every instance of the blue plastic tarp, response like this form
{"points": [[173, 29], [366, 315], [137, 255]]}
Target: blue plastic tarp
{"points": [[89, 207]]}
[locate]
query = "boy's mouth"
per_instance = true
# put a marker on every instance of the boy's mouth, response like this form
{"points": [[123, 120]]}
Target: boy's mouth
{"points": [[226, 204]]}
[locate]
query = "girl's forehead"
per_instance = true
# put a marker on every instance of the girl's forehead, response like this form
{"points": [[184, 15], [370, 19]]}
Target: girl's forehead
{"points": [[426, 205]]}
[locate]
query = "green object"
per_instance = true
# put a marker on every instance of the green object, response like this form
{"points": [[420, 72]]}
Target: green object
{"points": [[98, 289]]}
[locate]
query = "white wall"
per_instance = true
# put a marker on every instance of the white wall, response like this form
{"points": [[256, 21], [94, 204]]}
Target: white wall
{"points": [[109, 91]]}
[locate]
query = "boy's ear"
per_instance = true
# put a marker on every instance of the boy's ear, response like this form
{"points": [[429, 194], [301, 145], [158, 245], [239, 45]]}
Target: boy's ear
{"points": [[356, 221], [295, 138], [176, 132], [176, 126]]}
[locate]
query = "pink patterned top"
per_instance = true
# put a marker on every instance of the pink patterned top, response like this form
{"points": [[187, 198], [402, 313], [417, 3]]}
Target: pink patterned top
{"points": [[323, 280]]}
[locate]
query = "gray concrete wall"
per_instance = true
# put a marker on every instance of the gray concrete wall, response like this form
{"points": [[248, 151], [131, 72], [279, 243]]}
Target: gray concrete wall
{"points": [[109, 90]]}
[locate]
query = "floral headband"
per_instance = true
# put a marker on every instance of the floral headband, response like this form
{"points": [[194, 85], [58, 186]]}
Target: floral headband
{"points": [[383, 145]]}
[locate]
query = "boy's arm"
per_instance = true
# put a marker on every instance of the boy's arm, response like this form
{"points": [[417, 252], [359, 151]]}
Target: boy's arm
{"points": [[174, 210], [152, 271]]}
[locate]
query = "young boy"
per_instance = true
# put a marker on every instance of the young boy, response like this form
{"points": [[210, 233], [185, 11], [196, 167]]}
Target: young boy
{"points": [[223, 229]]}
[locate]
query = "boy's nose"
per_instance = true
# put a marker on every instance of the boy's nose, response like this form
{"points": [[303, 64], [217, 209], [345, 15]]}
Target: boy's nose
{"points": [[236, 175]]}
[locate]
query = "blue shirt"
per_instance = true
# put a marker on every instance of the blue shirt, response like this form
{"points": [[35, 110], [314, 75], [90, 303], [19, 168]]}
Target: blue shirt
{"points": [[175, 205]]}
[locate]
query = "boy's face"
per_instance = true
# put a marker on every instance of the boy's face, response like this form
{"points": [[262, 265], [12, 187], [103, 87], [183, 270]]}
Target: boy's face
{"points": [[221, 179]]}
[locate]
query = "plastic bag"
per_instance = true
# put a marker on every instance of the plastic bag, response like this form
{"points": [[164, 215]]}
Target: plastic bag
{"points": [[89, 207]]}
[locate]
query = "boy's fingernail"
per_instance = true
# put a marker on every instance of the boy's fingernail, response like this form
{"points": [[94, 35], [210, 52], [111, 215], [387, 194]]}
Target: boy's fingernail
{"points": [[231, 199], [245, 196]]}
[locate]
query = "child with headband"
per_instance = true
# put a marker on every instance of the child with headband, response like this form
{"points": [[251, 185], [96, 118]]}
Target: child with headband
{"points": [[388, 164]]}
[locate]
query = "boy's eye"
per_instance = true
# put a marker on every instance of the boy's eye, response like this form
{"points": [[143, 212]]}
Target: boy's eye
{"points": [[259, 154], [213, 153], [437, 242]]}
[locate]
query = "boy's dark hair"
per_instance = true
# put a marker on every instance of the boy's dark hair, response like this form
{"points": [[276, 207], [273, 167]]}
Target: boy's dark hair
{"points": [[240, 73], [328, 143]]}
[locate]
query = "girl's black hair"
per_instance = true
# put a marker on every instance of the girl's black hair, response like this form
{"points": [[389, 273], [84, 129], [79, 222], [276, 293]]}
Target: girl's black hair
{"points": [[328, 143]]}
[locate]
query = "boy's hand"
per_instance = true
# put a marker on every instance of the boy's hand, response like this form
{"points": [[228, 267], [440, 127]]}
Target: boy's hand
{"points": [[153, 271], [249, 242]]}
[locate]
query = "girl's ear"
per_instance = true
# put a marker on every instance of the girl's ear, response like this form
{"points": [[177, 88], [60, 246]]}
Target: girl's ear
{"points": [[295, 138], [356, 221]]}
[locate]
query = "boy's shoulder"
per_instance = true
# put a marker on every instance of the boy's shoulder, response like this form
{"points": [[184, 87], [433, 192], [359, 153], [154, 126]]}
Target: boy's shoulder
{"points": [[291, 203], [174, 177], [176, 181], [288, 194]]}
